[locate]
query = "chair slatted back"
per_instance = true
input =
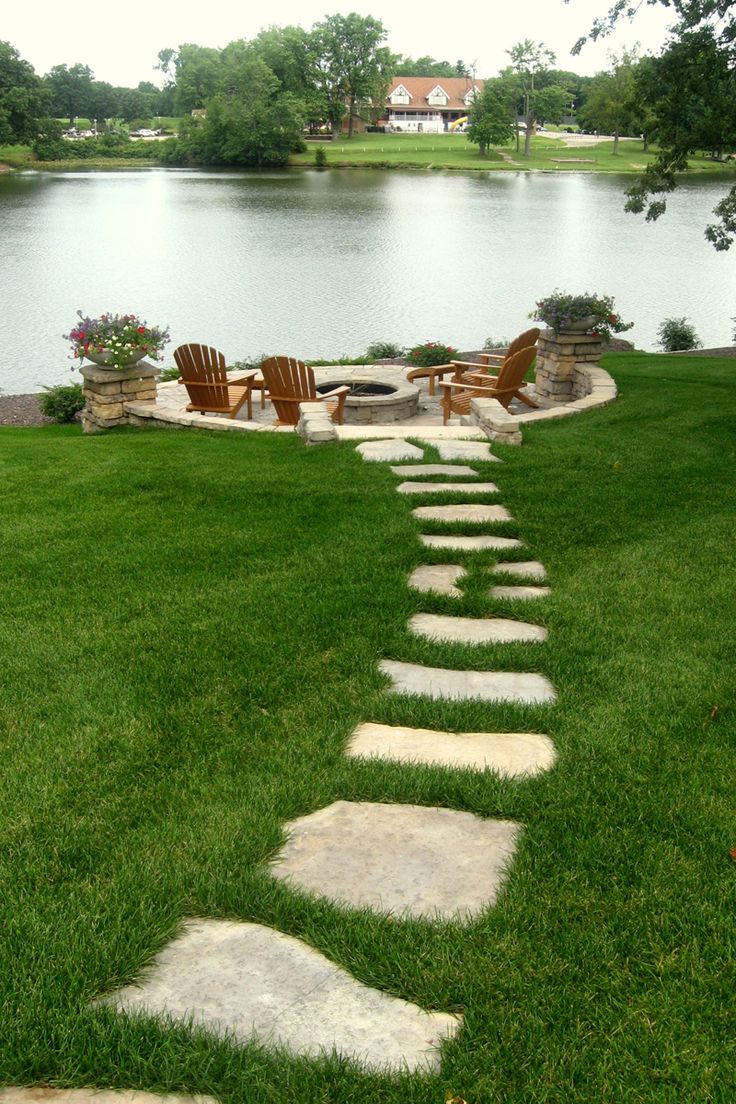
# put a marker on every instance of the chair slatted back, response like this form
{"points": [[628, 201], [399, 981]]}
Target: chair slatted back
{"points": [[204, 368], [288, 382], [514, 368], [524, 341]]}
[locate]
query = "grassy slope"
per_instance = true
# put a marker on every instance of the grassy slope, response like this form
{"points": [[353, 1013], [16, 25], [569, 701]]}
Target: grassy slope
{"points": [[190, 628]]}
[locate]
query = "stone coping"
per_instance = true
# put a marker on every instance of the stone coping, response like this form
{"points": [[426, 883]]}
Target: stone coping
{"points": [[488, 419]]}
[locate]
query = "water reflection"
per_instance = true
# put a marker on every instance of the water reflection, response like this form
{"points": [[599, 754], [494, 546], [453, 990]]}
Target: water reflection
{"points": [[318, 264]]}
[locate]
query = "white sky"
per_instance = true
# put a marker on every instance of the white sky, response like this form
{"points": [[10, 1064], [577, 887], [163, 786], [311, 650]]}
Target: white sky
{"points": [[120, 42]]}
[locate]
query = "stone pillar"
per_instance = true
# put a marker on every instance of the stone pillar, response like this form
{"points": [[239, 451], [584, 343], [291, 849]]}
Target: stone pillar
{"points": [[559, 354], [107, 392]]}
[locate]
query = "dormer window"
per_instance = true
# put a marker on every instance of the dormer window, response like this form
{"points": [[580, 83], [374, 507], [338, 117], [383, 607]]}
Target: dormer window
{"points": [[470, 95], [400, 95], [438, 97]]}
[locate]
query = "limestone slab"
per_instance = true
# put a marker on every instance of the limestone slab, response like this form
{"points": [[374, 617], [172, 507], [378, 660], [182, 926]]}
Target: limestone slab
{"points": [[524, 569], [439, 488], [475, 630], [440, 578], [519, 593], [389, 450], [468, 511], [399, 859], [469, 544], [416, 680], [462, 450], [511, 754], [246, 981], [45, 1094], [433, 469]]}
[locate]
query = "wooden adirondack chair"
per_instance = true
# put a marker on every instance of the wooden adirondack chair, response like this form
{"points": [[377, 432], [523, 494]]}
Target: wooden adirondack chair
{"points": [[289, 382], [204, 375], [509, 382], [479, 373]]}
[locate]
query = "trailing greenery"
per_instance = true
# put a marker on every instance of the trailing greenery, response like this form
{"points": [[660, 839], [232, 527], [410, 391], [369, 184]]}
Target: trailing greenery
{"points": [[191, 626]]}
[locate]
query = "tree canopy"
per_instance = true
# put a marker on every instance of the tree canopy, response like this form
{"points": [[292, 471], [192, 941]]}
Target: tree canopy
{"points": [[23, 100]]}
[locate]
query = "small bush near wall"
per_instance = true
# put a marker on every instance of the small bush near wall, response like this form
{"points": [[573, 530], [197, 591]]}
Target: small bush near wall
{"points": [[63, 402], [676, 334]]}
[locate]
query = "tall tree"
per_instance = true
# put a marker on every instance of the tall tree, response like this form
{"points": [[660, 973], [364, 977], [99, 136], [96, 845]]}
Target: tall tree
{"points": [[70, 90], [492, 116], [692, 95], [23, 100], [610, 106], [531, 61], [352, 61]]}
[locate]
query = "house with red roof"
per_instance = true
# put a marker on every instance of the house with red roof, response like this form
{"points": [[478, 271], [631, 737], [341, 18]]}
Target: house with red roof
{"points": [[429, 104]]}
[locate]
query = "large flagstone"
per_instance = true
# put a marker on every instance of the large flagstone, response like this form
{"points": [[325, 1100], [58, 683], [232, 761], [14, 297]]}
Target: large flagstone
{"points": [[416, 680], [389, 450], [244, 981], [519, 593], [461, 450], [469, 544], [468, 511], [440, 578], [399, 859], [409, 470], [420, 487], [475, 630], [525, 569], [511, 754]]}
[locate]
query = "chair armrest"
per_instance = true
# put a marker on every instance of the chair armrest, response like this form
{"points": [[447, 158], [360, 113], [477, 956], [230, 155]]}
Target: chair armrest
{"points": [[249, 375], [488, 357], [334, 394]]}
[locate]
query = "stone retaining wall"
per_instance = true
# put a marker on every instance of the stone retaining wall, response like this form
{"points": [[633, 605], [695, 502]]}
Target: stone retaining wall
{"points": [[561, 361], [107, 394]]}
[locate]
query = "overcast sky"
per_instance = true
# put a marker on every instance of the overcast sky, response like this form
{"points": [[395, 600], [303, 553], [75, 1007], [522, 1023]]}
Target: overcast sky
{"points": [[120, 42]]}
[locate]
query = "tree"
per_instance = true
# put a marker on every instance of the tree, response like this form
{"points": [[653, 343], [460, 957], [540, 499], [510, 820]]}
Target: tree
{"points": [[610, 105], [692, 85], [425, 66], [196, 74], [70, 90], [491, 122], [23, 101], [249, 121], [531, 61], [352, 61]]}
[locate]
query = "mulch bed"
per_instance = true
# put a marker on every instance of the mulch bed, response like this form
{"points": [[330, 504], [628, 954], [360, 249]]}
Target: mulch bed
{"points": [[21, 410]]}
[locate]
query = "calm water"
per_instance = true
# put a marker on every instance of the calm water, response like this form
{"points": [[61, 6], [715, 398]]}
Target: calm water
{"points": [[321, 264]]}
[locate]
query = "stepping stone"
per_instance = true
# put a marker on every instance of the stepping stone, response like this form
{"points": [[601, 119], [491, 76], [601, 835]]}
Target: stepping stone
{"points": [[389, 450], [511, 754], [523, 593], [438, 488], [399, 859], [469, 544], [44, 1094], [247, 980], [475, 630], [526, 569], [462, 450], [438, 682], [433, 469], [469, 511], [437, 577]]}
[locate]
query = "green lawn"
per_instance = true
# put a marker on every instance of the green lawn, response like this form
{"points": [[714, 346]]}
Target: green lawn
{"points": [[190, 628]]}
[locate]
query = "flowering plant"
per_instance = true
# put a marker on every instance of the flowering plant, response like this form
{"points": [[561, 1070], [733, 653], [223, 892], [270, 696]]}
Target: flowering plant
{"points": [[560, 310], [120, 336], [431, 353]]}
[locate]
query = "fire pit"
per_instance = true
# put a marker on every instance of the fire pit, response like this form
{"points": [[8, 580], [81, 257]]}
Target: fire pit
{"points": [[375, 401]]}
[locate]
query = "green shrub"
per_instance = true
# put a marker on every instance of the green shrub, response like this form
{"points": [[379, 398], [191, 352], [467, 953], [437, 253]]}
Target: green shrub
{"points": [[384, 350], [492, 343], [431, 353], [677, 333], [63, 402], [320, 157], [167, 374]]}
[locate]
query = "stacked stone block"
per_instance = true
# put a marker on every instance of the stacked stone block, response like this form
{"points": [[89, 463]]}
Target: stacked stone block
{"points": [[561, 362], [107, 394]]}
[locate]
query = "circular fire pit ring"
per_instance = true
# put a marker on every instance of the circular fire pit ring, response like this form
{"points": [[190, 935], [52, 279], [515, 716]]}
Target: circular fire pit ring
{"points": [[373, 400]]}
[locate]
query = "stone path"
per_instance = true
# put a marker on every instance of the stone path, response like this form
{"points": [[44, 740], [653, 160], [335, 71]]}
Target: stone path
{"points": [[511, 754], [398, 859], [243, 981]]}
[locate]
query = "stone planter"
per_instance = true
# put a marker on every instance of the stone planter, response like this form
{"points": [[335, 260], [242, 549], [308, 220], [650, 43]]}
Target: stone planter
{"points": [[105, 359], [582, 325]]}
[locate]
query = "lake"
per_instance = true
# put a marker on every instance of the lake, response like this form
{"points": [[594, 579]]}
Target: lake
{"points": [[320, 264]]}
